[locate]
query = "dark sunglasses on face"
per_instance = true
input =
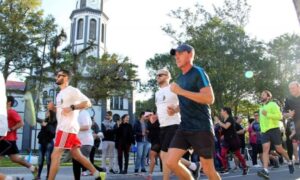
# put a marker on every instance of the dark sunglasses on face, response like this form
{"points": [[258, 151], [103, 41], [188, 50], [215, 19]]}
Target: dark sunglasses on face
{"points": [[160, 75], [58, 75]]}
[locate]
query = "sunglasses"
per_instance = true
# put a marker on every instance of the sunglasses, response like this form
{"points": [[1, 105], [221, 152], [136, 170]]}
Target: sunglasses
{"points": [[58, 75], [160, 75]]}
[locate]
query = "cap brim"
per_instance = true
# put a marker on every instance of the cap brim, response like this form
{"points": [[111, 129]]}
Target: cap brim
{"points": [[172, 52]]}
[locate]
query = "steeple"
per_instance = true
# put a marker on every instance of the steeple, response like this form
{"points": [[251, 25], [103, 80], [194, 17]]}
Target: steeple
{"points": [[88, 23]]}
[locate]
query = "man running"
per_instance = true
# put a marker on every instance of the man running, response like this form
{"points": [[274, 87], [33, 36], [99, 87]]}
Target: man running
{"points": [[169, 120], [69, 102], [196, 130], [8, 145], [269, 117]]}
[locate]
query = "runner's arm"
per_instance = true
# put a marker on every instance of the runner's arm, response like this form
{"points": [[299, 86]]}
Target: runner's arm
{"points": [[205, 96]]}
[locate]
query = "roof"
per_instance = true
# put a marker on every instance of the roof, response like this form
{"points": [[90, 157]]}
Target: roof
{"points": [[15, 85]]}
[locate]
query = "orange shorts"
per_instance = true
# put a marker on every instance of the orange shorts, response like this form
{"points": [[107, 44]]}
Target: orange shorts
{"points": [[66, 140]]}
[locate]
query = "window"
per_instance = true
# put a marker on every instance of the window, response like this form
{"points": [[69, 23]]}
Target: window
{"points": [[116, 102], [80, 29], [93, 28], [82, 3], [121, 102], [111, 102], [103, 33], [45, 96]]}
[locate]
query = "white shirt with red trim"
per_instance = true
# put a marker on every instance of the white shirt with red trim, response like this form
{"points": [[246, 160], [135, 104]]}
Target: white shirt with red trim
{"points": [[65, 98]]}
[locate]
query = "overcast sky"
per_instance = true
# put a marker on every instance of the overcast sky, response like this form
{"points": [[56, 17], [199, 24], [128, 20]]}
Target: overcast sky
{"points": [[134, 27]]}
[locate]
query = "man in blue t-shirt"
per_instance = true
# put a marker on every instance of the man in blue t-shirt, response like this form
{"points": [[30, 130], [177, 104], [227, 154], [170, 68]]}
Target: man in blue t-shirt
{"points": [[195, 131]]}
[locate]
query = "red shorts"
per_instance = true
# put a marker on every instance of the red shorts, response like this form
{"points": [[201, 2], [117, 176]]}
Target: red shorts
{"points": [[66, 140]]}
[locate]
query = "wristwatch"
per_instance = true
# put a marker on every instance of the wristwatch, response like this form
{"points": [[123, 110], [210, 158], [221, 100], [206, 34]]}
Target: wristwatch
{"points": [[72, 107]]}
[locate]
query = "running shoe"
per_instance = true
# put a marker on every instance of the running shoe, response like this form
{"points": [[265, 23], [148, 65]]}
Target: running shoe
{"points": [[195, 173], [245, 170], [291, 168], [263, 174], [225, 171], [35, 172]]}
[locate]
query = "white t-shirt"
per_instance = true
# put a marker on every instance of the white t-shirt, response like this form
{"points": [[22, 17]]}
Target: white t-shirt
{"points": [[65, 98], [85, 137], [164, 98]]}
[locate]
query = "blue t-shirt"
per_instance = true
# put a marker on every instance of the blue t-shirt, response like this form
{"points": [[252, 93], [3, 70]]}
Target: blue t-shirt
{"points": [[194, 116]]}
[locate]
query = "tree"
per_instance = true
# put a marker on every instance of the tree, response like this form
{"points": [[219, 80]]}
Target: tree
{"points": [[144, 105], [110, 75], [19, 29], [226, 53], [76, 60], [284, 51]]}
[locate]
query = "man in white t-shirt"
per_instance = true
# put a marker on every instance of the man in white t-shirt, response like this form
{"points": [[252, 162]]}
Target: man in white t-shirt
{"points": [[169, 119], [69, 102]]}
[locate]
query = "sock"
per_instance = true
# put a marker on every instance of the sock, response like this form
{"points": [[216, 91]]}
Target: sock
{"points": [[96, 174], [266, 170], [32, 168], [192, 166], [290, 162], [9, 178]]}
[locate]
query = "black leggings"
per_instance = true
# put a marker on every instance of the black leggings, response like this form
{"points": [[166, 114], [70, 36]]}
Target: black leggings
{"points": [[76, 169], [123, 149], [256, 149]]}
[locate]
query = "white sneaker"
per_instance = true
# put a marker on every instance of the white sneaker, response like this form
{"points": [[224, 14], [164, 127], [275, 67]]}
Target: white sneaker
{"points": [[85, 173]]}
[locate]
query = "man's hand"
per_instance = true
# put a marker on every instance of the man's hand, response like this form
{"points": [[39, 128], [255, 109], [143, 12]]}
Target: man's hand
{"points": [[175, 88], [171, 110], [66, 111], [264, 112]]}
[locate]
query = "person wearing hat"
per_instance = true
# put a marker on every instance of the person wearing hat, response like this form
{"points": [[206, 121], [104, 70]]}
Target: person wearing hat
{"points": [[195, 96]]}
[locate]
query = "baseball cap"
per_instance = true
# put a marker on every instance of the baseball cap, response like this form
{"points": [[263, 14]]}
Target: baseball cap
{"points": [[181, 48]]}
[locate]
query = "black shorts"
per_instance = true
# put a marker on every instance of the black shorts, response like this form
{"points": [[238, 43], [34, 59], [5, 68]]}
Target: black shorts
{"points": [[166, 135], [155, 147], [273, 136], [8, 148], [202, 142]]}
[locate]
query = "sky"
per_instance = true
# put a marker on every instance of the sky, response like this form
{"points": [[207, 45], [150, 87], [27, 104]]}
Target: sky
{"points": [[134, 27]]}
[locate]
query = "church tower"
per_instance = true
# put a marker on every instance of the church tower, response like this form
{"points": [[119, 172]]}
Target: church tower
{"points": [[88, 23]]}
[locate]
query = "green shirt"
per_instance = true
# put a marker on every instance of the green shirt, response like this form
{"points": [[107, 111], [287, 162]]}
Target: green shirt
{"points": [[271, 120]]}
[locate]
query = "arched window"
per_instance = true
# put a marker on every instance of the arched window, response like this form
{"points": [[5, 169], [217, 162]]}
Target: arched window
{"points": [[93, 28], [80, 29], [82, 3]]}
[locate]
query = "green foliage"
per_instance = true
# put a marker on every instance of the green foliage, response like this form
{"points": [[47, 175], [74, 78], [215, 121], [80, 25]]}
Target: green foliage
{"points": [[19, 32], [284, 52], [109, 75], [144, 105], [226, 52], [222, 48]]}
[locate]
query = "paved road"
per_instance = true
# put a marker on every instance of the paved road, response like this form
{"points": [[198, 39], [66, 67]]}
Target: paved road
{"points": [[65, 173]]}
